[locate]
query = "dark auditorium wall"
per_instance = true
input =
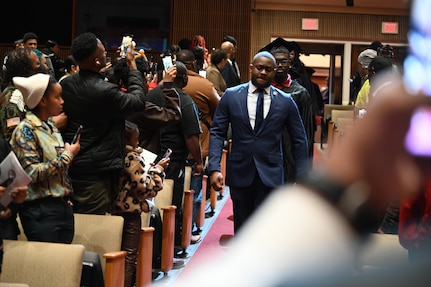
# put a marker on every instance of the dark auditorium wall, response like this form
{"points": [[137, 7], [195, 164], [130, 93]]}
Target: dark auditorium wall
{"points": [[253, 26], [49, 19]]}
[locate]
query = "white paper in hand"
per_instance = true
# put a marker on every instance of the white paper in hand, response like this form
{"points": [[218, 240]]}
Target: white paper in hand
{"points": [[11, 168], [148, 156]]}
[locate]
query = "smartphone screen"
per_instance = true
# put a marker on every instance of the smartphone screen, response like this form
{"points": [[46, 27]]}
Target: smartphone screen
{"points": [[417, 69], [77, 133], [125, 44], [167, 62], [167, 153]]}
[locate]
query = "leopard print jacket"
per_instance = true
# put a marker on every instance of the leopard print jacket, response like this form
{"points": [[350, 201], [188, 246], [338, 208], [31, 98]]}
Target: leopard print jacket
{"points": [[137, 183]]}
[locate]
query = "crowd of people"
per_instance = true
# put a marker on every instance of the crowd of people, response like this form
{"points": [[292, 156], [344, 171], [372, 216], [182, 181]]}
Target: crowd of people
{"points": [[192, 109]]}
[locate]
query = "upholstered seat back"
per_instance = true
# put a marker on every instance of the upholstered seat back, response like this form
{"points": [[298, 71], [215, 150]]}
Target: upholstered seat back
{"points": [[42, 264], [99, 233]]}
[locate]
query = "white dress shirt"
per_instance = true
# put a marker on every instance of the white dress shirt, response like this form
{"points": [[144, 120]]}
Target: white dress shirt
{"points": [[252, 101]]}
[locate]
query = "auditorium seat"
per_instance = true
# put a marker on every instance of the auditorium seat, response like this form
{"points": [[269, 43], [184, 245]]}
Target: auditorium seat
{"points": [[99, 233], [163, 201], [92, 231], [42, 264], [326, 118]]}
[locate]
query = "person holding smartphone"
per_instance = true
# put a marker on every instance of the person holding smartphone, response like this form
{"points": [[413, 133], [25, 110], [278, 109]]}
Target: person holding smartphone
{"points": [[101, 107], [46, 214]]}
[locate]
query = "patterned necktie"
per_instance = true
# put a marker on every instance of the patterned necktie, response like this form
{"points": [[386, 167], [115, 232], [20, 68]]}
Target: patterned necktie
{"points": [[259, 111]]}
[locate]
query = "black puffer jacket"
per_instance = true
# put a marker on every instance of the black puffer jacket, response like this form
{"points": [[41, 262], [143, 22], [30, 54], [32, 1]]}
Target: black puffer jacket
{"points": [[101, 108]]}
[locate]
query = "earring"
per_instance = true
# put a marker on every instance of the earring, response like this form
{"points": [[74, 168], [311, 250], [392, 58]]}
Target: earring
{"points": [[97, 62]]}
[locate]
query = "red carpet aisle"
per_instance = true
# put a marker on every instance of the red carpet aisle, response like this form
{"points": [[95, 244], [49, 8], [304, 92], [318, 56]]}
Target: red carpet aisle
{"points": [[214, 227], [213, 243]]}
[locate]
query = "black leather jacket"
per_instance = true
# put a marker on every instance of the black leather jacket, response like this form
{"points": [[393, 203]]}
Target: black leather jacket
{"points": [[101, 108]]}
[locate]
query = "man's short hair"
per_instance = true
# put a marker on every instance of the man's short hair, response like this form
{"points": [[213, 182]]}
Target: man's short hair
{"points": [[83, 46], [28, 36], [231, 39], [217, 56], [185, 56]]}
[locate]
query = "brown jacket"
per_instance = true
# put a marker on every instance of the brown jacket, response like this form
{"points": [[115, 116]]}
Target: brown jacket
{"points": [[205, 96]]}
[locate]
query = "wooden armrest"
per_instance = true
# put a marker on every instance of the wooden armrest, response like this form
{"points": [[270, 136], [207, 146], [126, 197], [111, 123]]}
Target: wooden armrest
{"points": [[200, 219], [145, 258], [114, 268], [168, 237], [186, 232]]}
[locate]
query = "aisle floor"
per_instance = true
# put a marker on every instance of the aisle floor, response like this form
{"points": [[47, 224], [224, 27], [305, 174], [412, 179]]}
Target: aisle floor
{"points": [[169, 278]]}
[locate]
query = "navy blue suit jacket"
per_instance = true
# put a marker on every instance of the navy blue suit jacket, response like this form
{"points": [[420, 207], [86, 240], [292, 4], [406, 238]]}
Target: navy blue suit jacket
{"points": [[259, 151], [230, 75]]}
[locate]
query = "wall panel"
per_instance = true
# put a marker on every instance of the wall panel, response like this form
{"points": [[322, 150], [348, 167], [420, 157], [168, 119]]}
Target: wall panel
{"points": [[332, 26], [253, 30], [214, 20]]}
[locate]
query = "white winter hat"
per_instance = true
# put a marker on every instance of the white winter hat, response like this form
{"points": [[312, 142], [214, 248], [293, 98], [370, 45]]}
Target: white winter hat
{"points": [[32, 88], [366, 56]]}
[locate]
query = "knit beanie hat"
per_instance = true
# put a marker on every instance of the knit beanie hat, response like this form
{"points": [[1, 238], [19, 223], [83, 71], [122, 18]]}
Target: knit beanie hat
{"points": [[264, 54], [366, 56], [32, 88]]}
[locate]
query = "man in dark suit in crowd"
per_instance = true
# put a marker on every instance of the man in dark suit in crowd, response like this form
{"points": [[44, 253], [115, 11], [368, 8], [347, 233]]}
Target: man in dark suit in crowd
{"points": [[230, 72], [257, 113]]}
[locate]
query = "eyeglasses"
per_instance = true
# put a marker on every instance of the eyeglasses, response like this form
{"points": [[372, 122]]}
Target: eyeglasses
{"points": [[267, 69], [283, 62]]}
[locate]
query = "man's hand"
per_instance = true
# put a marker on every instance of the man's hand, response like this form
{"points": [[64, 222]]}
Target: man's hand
{"points": [[130, 58], [169, 75], [217, 180]]}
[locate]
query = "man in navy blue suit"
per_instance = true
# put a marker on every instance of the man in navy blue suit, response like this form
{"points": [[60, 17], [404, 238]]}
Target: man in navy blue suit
{"points": [[255, 163]]}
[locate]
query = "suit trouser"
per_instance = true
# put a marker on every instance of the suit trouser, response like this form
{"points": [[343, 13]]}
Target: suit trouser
{"points": [[246, 200]]}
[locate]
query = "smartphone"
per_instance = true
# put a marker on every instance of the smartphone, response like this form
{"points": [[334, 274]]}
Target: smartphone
{"points": [[168, 153], [77, 133], [126, 42], [417, 68], [167, 60]]}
